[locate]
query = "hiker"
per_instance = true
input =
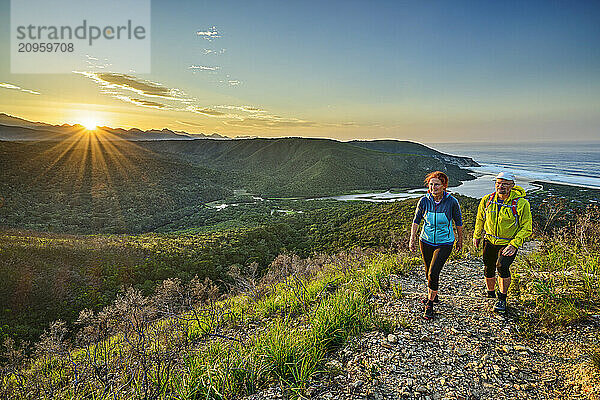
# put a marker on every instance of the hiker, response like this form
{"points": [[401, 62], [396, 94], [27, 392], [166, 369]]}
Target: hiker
{"points": [[438, 208], [503, 222]]}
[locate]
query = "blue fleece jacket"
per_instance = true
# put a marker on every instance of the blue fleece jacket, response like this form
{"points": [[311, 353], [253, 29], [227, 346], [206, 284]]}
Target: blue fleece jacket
{"points": [[437, 229]]}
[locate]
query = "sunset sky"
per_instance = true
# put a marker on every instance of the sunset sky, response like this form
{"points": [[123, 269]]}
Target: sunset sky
{"points": [[430, 71]]}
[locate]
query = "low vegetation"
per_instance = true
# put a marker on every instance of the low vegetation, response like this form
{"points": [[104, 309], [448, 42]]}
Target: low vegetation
{"points": [[560, 283], [186, 342], [52, 276]]}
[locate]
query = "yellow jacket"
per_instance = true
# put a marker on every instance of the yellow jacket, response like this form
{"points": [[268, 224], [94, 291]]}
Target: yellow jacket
{"points": [[496, 219]]}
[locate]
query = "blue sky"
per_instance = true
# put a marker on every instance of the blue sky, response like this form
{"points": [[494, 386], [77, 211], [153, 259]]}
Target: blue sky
{"points": [[436, 71]]}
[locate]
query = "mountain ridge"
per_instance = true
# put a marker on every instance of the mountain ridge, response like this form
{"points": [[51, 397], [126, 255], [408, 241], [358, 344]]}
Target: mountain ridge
{"points": [[13, 129]]}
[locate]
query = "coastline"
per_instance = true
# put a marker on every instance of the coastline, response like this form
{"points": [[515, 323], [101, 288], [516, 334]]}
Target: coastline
{"points": [[566, 163]]}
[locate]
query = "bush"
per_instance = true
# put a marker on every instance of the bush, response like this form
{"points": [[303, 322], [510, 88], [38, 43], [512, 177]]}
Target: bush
{"points": [[184, 342], [560, 282], [595, 357]]}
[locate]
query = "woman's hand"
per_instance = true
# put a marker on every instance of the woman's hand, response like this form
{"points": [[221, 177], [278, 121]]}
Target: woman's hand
{"points": [[459, 245], [411, 245]]}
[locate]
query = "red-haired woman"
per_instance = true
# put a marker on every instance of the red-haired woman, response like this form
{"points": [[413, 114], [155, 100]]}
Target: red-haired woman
{"points": [[438, 209]]}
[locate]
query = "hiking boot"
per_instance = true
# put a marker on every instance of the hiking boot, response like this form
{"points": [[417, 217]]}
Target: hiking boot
{"points": [[436, 300], [500, 306], [490, 294], [428, 314]]}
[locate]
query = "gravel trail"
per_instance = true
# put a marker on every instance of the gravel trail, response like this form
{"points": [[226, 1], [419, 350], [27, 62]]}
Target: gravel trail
{"points": [[466, 352]]}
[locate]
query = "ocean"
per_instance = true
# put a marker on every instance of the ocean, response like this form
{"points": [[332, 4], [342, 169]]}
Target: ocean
{"points": [[576, 164]]}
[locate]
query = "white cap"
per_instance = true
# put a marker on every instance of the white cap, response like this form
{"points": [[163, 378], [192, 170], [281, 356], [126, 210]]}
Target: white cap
{"points": [[507, 176]]}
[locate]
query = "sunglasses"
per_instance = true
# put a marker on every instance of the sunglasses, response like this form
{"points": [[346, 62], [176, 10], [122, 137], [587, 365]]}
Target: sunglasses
{"points": [[504, 184]]}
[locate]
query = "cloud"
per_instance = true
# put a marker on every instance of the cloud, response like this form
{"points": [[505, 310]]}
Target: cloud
{"points": [[96, 63], [271, 121], [209, 34], [208, 111], [247, 109], [207, 52], [115, 84], [187, 123], [14, 87], [204, 68], [143, 103], [257, 118], [230, 82], [111, 80]]}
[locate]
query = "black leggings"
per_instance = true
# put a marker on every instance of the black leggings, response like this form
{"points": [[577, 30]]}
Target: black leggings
{"points": [[434, 258], [494, 260]]}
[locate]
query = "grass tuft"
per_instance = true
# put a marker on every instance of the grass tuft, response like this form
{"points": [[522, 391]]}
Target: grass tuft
{"points": [[595, 358]]}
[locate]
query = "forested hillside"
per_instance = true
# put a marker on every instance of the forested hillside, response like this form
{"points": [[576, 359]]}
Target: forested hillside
{"points": [[98, 186], [290, 167]]}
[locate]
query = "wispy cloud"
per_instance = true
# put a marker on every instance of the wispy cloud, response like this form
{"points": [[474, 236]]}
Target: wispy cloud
{"points": [[207, 52], [187, 123], [96, 63], [111, 80], [117, 85], [143, 103], [209, 34], [208, 111], [230, 82], [271, 121], [204, 68], [15, 87], [248, 109]]}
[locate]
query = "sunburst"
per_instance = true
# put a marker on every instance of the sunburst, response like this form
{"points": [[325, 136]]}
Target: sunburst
{"points": [[89, 123]]}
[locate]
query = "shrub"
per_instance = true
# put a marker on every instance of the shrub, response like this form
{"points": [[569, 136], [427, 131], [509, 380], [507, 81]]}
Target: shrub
{"points": [[560, 282]]}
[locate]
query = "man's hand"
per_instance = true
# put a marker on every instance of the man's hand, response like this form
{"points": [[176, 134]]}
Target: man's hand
{"points": [[509, 250], [476, 242]]}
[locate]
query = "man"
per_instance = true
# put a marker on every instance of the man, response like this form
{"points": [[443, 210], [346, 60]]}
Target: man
{"points": [[503, 222]]}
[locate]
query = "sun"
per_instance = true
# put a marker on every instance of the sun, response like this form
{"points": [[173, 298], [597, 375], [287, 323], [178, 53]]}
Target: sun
{"points": [[90, 126], [89, 123]]}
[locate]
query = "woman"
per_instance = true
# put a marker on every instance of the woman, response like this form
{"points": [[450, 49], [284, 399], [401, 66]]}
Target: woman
{"points": [[438, 209]]}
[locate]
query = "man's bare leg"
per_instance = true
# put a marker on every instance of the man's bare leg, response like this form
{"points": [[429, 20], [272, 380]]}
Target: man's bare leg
{"points": [[504, 283], [491, 284]]}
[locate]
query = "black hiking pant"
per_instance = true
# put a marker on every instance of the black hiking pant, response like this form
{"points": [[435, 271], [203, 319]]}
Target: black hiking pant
{"points": [[494, 260], [434, 258]]}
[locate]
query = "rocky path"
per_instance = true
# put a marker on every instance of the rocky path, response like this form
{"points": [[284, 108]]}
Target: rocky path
{"points": [[467, 352]]}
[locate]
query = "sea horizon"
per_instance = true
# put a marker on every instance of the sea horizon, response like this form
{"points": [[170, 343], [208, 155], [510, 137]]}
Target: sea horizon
{"points": [[568, 163]]}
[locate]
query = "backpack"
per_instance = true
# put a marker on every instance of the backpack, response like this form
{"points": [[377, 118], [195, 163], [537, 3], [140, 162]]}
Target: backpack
{"points": [[513, 205]]}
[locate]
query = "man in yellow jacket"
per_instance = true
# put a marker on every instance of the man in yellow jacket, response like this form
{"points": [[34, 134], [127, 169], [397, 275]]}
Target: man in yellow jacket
{"points": [[503, 222]]}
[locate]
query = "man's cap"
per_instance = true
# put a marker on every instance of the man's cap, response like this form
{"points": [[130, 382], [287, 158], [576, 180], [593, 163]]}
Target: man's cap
{"points": [[507, 176]]}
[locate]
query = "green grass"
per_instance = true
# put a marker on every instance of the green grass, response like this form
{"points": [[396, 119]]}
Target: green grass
{"points": [[595, 358], [560, 283], [287, 334], [293, 346], [287, 352]]}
